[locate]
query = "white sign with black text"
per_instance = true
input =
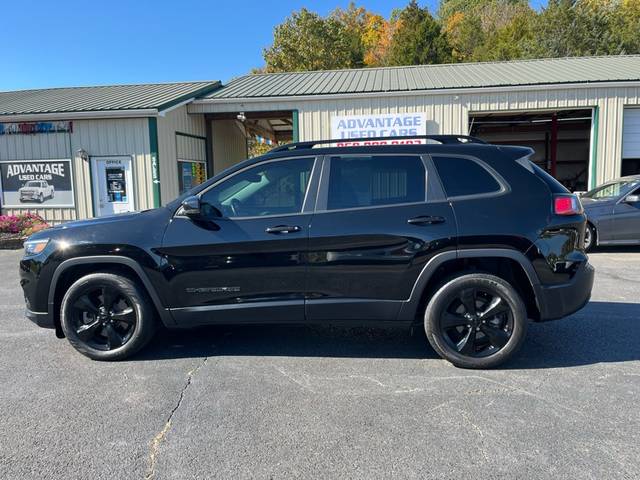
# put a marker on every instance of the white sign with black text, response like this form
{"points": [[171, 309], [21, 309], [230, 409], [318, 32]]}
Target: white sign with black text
{"points": [[350, 127]]}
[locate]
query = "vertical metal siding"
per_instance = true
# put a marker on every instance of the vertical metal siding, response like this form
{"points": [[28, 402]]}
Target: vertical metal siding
{"points": [[229, 144], [177, 120], [99, 138], [190, 148], [112, 137]]}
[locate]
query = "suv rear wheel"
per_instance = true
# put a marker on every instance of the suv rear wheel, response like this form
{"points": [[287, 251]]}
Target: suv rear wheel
{"points": [[476, 321], [107, 317]]}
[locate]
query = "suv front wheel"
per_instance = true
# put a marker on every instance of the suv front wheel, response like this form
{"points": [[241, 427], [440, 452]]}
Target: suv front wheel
{"points": [[476, 321], [107, 317]]}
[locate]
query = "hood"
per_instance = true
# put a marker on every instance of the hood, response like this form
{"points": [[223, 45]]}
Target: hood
{"points": [[124, 228], [118, 217]]}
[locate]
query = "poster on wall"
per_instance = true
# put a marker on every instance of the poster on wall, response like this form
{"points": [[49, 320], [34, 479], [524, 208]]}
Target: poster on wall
{"points": [[384, 125], [36, 183], [190, 174], [116, 184]]}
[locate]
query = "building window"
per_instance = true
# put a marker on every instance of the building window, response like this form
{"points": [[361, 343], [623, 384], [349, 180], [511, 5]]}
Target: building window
{"points": [[191, 174]]}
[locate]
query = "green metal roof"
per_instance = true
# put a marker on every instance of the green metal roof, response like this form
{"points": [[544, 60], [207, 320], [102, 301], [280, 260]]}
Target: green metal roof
{"points": [[103, 98], [434, 77]]}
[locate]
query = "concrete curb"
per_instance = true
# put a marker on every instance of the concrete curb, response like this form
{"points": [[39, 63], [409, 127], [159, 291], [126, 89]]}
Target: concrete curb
{"points": [[11, 243]]}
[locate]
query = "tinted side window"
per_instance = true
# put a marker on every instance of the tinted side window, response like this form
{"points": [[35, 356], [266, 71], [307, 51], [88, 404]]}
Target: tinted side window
{"points": [[375, 180], [463, 176], [273, 188]]}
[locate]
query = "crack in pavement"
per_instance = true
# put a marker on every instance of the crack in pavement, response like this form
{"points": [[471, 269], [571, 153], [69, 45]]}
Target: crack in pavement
{"points": [[159, 438]]}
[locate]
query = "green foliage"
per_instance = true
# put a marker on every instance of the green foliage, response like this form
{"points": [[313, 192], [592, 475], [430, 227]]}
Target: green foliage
{"points": [[588, 27], [306, 41], [417, 38], [464, 30]]}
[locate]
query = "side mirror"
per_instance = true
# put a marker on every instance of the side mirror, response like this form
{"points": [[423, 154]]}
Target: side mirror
{"points": [[190, 207], [632, 199]]}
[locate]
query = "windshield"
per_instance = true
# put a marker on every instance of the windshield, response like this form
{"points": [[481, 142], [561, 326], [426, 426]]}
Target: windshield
{"points": [[32, 184], [610, 190]]}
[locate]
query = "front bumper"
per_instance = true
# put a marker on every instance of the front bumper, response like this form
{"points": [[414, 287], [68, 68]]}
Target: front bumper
{"points": [[557, 301], [42, 319]]}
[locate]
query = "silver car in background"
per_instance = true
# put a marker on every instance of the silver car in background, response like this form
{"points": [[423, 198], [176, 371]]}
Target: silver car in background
{"points": [[613, 213]]}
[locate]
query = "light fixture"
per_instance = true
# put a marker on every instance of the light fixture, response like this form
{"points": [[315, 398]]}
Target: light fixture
{"points": [[83, 154], [242, 117]]}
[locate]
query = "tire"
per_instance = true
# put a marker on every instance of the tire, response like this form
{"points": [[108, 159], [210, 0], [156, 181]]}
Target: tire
{"points": [[590, 237], [471, 347], [53, 194], [41, 198], [103, 332]]}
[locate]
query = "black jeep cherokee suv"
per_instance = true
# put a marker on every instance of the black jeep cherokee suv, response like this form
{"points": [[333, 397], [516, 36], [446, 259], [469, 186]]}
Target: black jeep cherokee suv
{"points": [[472, 240]]}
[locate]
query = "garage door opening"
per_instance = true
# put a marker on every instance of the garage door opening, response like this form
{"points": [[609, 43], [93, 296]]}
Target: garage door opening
{"points": [[236, 136], [561, 140]]}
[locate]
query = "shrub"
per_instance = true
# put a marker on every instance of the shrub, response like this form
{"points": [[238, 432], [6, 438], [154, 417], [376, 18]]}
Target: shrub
{"points": [[24, 224]]}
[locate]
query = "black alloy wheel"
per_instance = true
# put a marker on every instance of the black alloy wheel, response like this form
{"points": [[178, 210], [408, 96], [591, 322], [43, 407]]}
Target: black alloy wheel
{"points": [[106, 316], [476, 320], [103, 318], [477, 323]]}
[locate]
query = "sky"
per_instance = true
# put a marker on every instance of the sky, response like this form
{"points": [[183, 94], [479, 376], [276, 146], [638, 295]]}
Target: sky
{"points": [[57, 43]]}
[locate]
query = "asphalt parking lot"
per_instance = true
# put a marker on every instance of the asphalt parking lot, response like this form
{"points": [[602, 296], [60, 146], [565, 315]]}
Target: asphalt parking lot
{"points": [[302, 402]]}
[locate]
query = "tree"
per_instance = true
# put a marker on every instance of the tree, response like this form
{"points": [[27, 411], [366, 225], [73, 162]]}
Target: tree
{"points": [[587, 27], [627, 23], [488, 30], [464, 30], [510, 42], [306, 41], [376, 40], [417, 38], [354, 22]]}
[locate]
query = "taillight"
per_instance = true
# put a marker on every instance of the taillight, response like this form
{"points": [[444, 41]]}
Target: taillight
{"points": [[567, 205]]}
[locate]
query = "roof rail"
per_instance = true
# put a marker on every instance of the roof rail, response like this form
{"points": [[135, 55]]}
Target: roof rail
{"points": [[444, 139]]}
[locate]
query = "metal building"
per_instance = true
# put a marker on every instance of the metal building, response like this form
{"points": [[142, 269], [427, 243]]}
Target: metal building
{"points": [[73, 153], [581, 115]]}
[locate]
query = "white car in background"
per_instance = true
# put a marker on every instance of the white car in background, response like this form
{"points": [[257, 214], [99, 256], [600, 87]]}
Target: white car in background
{"points": [[36, 190]]}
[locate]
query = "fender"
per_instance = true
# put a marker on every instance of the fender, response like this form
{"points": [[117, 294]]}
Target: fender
{"points": [[410, 306], [165, 315]]}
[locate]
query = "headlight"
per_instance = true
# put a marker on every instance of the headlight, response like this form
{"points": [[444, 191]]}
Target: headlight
{"points": [[33, 247]]}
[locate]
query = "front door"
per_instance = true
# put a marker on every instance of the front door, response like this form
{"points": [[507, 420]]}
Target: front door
{"points": [[112, 185], [248, 264], [379, 219]]}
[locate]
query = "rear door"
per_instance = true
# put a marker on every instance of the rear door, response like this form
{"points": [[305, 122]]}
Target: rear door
{"points": [[378, 220]]}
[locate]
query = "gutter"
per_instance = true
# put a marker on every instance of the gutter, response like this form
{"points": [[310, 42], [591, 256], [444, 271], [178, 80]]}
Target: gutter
{"points": [[407, 93], [88, 115]]}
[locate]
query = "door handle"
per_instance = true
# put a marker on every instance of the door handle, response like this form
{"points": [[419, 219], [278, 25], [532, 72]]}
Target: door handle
{"points": [[283, 229], [426, 220]]}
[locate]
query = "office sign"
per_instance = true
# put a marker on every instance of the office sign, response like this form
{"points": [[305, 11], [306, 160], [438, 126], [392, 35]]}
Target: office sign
{"points": [[36, 183], [381, 125]]}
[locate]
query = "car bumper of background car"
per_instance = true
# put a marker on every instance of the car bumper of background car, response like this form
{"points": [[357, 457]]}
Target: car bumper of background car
{"points": [[557, 301]]}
